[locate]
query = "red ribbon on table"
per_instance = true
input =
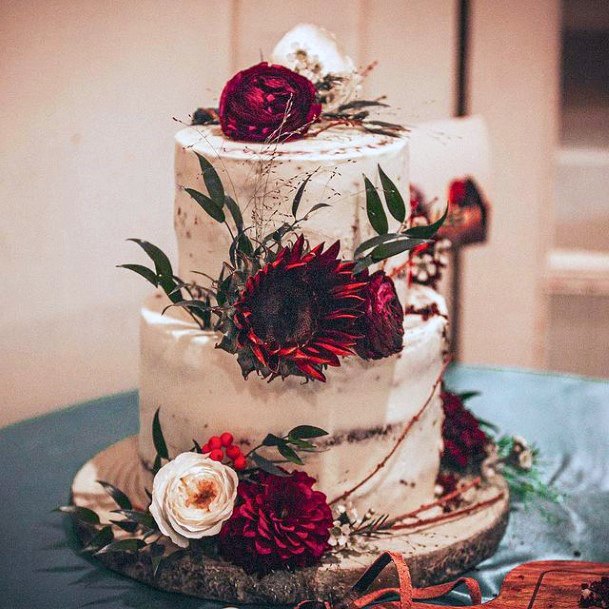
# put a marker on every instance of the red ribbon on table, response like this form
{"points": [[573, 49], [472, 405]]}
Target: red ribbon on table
{"points": [[406, 593]]}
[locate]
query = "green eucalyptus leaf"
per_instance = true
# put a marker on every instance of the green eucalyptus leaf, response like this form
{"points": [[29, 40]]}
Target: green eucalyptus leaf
{"points": [[235, 212], [467, 395], [316, 207], [123, 545], [144, 518], [81, 513], [393, 248], [208, 205], [272, 440], [102, 538], [268, 466], [245, 245], [362, 264], [194, 304], [143, 271], [426, 232], [126, 525], [160, 259], [361, 103], [156, 560], [298, 197], [158, 438], [301, 444], [393, 198], [374, 208], [378, 240], [157, 464], [119, 497], [307, 431], [290, 454], [212, 181]]}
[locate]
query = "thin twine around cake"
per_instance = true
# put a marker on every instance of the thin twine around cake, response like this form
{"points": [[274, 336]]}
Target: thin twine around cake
{"points": [[399, 441]]}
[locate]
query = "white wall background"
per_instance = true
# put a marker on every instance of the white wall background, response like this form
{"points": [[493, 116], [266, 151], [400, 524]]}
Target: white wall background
{"points": [[89, 92]]}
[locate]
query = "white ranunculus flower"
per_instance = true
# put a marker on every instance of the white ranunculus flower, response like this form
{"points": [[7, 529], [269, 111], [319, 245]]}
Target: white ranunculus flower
{"points": [[192, 496], [314, 53]]}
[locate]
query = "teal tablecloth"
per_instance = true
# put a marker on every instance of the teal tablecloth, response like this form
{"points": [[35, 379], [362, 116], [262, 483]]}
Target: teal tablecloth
{"points": [[40, 567]]}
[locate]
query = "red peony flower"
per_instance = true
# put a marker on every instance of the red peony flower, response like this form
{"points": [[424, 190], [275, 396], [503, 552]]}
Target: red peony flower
{"points": [[464, 440], [381, 325], [278, 523], [297, 314], [267, 102]]}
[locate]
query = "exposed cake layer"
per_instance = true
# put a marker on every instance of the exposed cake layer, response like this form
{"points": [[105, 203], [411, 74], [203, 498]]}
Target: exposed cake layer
{"points": [[364, 405], [264, 178]]}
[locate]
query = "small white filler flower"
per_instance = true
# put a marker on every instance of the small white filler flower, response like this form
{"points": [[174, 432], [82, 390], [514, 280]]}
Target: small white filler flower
{"points": [[192, 496]]}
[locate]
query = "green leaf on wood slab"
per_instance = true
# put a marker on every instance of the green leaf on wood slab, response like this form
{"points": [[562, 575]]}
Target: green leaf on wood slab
{"points": [[426, 232], [157, 437], [144, 518], [307, 431], [102, 538], [123, 545], [212, 181], [208, 205], [119, 497], [393, 198], [298, 197], [374, 208], [143, 271], [81, 513]]}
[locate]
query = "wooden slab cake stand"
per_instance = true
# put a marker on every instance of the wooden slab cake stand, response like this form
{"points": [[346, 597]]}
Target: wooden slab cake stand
{"points": [[434, 553]]}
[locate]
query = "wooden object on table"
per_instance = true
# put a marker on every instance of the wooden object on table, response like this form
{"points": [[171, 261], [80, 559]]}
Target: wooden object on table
{"points": [[547, 584]]}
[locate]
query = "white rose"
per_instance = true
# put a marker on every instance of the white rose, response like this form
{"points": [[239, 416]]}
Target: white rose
{"points": [[192, 496], [314, 53]]}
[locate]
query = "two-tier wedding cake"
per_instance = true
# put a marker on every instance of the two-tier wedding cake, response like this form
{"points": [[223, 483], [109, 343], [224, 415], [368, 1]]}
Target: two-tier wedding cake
{"points": [[292, 409]]}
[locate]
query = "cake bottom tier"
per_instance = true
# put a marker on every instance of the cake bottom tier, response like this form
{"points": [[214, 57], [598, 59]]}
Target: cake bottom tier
{"points": [[364, 406]]}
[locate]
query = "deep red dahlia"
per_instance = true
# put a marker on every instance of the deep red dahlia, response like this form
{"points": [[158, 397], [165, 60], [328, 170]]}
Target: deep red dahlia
{"points": [[381, 325], [267, 102], [298, 313], [464, 440], [278, 523]]}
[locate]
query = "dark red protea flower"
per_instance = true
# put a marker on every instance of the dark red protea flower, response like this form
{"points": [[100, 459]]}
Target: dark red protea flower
{"points": [[278, 523], [381, 325], [297, 314], [464, 440]]}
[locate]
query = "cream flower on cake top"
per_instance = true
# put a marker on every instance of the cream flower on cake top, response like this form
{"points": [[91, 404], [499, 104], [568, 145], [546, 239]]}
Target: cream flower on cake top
{"points": [[192, 496], [314, 53]]}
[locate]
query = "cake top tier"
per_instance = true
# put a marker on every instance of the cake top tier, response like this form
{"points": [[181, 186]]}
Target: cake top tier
{"points": [[333, 144]]}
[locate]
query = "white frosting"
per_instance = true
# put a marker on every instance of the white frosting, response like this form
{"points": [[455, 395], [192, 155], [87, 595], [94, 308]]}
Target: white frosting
{"points": [[364, 405], [264, 178]]}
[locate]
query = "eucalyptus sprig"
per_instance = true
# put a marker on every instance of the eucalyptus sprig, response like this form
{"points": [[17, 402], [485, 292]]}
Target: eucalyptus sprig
{"points": [[288, 446], [387, 244]]}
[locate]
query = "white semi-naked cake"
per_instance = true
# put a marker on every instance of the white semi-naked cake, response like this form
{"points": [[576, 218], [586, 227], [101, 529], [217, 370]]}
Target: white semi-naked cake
{"points": [[366, 404]]}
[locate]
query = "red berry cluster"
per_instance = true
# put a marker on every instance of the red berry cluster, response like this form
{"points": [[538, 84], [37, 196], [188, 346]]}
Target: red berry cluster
{"points": [[219, 446]]}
